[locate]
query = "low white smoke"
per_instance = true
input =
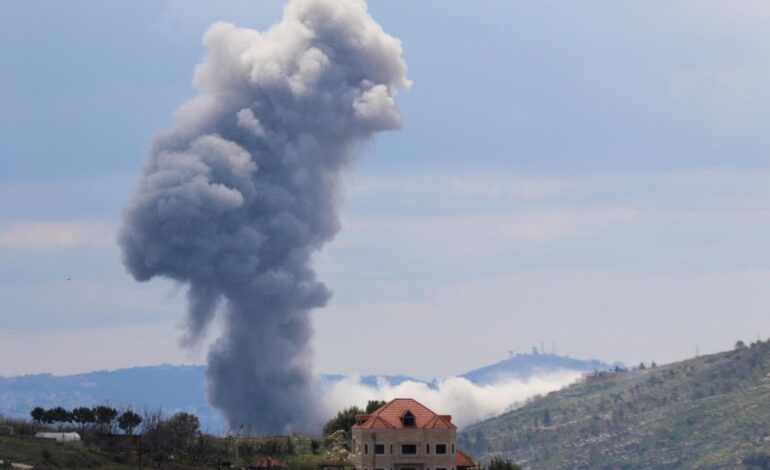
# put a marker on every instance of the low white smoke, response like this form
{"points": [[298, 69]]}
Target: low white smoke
{"points": [[467, 402]]}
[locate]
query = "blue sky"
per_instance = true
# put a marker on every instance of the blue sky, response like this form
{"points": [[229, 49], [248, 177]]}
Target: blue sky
{"points": [[589, 174]]}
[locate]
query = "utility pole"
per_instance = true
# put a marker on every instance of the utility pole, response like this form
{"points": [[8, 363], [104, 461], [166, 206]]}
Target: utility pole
{"points": [[237, 442]]}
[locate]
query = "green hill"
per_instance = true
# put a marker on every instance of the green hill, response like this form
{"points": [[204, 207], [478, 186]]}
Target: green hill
{"points": [[708, 412]]}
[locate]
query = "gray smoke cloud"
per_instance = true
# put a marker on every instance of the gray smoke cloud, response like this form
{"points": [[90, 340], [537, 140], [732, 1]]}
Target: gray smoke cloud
{"points": [[239, 194]]}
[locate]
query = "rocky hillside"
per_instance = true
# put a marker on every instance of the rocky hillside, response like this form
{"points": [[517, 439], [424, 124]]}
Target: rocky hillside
{"points": [[708, 412]]}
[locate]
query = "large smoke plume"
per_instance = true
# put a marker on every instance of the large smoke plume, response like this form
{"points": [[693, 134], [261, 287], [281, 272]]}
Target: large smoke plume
{"points": [[237, 196]]}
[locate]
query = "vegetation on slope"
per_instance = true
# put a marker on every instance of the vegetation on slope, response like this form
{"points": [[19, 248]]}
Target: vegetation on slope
{"points": [[708, 412], [161, 442]]}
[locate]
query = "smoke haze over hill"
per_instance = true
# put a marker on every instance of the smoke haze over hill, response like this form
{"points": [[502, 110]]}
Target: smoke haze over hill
{"points": [[466, 401]]}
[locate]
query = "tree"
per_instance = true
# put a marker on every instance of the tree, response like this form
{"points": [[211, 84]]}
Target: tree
{"points": [[37, 414], [499, 463], [182, 429], [48, 417], [374, 405], [546, 417], [105, 415], [57, 415], [83, 416], [344, 420], [128, 421], [759, 460], [740, 345]]}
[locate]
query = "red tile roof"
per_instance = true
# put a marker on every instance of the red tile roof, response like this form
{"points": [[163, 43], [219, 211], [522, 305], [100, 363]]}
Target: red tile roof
{"points": [[462, 460], [389, 416], [266, 463]]}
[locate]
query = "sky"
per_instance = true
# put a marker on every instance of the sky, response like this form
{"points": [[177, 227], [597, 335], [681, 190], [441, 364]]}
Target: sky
{"points": [[592, 175]]}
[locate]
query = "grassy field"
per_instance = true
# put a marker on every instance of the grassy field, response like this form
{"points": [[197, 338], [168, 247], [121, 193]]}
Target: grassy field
{"points": [[708, 412], [44, 453]]}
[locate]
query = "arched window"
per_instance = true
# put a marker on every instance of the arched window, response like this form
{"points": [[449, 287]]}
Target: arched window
{"points": [[407, 419]]}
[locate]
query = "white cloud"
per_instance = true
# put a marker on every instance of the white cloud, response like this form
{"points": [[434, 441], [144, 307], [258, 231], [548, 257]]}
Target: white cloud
{"points": [[466, 402], [35, 235], [473, 235], [728, 97], [608, 315], [673, 249]]}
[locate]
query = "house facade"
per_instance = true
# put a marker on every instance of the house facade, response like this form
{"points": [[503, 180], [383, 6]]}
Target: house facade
{"points": [[406, 435]]}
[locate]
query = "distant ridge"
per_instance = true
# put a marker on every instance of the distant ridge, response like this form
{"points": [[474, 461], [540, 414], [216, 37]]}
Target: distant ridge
{"points": [[167, 387], [526, 365], [174, 388]]}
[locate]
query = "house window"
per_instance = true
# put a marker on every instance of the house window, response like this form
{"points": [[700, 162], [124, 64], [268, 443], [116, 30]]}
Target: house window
{"points": [[427, 448], [366, 448], [407, 419], [441, 448], [391, 451], [408, 449], [453, 450], [379, 449]]}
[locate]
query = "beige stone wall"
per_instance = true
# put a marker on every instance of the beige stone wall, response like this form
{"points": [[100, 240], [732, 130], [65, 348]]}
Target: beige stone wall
{"points": [[365, 440]]}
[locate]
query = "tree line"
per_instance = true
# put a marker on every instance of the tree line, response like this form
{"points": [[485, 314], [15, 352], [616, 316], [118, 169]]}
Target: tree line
{"points": [[101, 418]]}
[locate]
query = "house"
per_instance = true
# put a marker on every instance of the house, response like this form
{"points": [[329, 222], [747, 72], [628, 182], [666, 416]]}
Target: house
{"points": [[406, 435]]}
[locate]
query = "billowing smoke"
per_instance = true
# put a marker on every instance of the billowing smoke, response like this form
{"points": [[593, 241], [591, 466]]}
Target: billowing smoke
{"points": [[466, 401], [239, 194]]}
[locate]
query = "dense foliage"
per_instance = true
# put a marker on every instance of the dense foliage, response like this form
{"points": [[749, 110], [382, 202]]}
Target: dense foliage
{"points": [[500, 463], [344, 420], [373, 405]]}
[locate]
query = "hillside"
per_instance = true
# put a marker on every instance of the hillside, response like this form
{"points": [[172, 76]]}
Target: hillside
{"points": [[708, 412]]}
